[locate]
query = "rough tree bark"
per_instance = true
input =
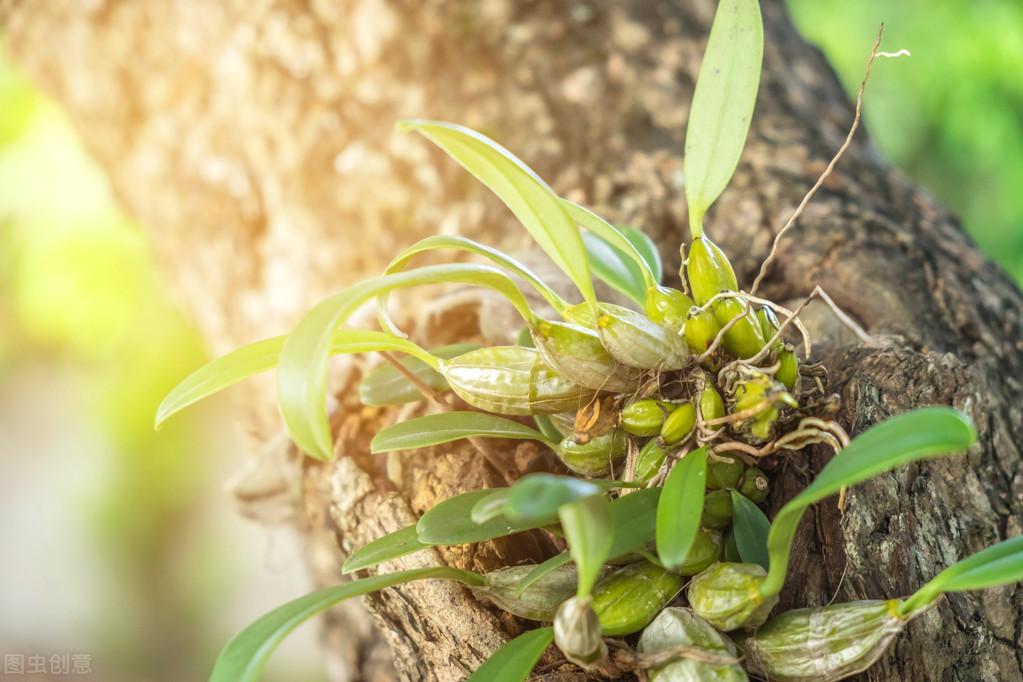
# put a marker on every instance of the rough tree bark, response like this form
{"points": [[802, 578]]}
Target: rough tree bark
{"points": [[254, 142]]}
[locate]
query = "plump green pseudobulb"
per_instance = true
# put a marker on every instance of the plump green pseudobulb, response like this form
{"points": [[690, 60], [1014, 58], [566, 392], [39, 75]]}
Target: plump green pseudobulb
{"points": [[679, 423], [717, 509], [768, 322], [679, 629], [724, 471], [711, 404], [668, 307], [708, 270], [577, 632], [727, 595], [706, 549], [644, 417], [595, 456], [635, 341], [578, 355], [648, 462], [629, 598], [700, 330], [511, 380], [823, 644], [539, 601], [710, 273], [754, 485], [788, 370]]}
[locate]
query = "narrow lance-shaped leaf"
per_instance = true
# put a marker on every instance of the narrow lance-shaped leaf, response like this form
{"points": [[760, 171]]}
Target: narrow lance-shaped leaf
{"points": [[499, 258], [445, 427], [634, 520], [588, 524], [726, 92], [450, 522], [489, 507], [532, 201], [647, 250], [260, 356], [996, 565], [515, 660], [751, 528], [385, 385], [680, 508], [633, 247], [391, 546], [244, 657], [302, 368], [615, 268], [539, 496], [923, 433]]}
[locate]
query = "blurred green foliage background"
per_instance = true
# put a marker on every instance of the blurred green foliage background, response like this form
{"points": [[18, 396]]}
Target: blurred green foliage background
{"points": [[116, 539]]}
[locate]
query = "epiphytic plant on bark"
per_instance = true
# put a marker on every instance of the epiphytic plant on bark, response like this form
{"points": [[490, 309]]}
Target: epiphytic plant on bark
{"points": [[660, 411]]}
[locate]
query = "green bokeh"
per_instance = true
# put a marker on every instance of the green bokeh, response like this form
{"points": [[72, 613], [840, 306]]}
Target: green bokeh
{"points": [[951, 115]]}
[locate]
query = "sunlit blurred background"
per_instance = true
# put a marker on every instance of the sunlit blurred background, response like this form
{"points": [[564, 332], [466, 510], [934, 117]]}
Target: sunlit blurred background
{"points": [[116, 540]]}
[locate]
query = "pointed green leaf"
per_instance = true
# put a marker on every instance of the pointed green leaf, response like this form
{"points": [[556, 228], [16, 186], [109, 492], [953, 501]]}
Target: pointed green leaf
{"points": [[302, 368], [916, 435], [634, 520], [680, 508], [391, 546], [996, 565], [542, 569], [751, 527], [463, 244], [547, 428], [647, 250], [243, 658], [726, 92], [538, 496], [445, 427], [515, 660], [588, 524], [254, 358], [490, 506], [531, 200], [450, 522], [385, 385], [615, 268], [632, 247]]}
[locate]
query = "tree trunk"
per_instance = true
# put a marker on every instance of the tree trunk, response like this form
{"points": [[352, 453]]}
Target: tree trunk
{"points": [[254, 141]]}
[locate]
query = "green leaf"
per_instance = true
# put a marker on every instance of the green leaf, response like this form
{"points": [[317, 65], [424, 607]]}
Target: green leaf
{"points": [[647, 250], [385, 385], [615, 268], [489, 507], [680, 508], [463, 244], [445, 427], [920, 434], [532, 201], [555, 562], [243, 658], [515, 660], [450, 522], [589, 526], [260, 356], [751, 527], [634, 520], [302, 368], [391, 546], [538, 496], [996, 565], [619, 240], [726, 92], [547, 428]]}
